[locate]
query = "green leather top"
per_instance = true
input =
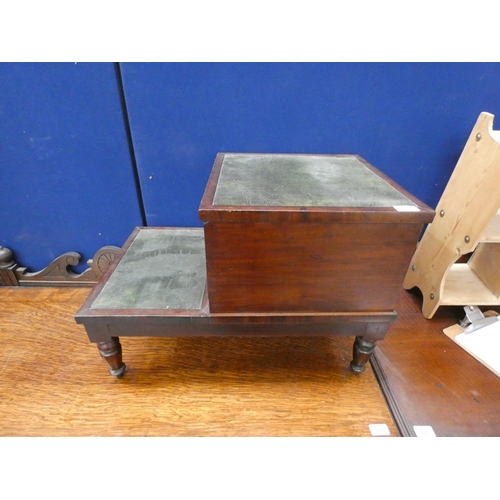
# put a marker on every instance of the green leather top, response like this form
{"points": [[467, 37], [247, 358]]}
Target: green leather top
{"points": [[302, 180], [162, 269]]}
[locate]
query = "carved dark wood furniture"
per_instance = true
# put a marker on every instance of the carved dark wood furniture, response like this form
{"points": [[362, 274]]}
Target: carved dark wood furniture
{"points": [[58, 272], [292, 245]]}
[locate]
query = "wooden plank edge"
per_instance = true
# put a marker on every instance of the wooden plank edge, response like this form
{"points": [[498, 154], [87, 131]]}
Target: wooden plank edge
{"points": [[402, 424]]}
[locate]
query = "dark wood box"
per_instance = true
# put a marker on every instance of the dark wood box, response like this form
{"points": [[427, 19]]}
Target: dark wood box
{"points": [[306, 233]]}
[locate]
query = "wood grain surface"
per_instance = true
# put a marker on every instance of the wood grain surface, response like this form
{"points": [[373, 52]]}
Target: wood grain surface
{"points": [[53, 382], [306, 267], [434, 381], [467, 209]]}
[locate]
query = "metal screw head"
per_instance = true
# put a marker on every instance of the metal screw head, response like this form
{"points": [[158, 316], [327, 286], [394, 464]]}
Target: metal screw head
{"points": [[478, 136], [432, 296], [441, 213], [414, 267], [467, 239]]}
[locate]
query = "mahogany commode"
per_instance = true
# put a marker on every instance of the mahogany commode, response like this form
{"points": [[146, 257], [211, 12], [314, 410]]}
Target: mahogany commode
{"points": [[291, 245]]}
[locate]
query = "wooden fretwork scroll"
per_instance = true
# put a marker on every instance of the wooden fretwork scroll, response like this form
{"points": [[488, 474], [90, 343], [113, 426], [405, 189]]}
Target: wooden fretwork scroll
{"points": [[59, 272]]}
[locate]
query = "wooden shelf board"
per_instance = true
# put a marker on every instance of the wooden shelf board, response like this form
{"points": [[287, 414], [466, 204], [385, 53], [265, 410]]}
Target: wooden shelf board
{"points": [[463, 287]]}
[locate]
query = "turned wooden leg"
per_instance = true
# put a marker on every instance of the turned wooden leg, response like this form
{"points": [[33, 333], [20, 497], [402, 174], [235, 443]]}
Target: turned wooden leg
{"points": [[111, 352], [361, 352]]}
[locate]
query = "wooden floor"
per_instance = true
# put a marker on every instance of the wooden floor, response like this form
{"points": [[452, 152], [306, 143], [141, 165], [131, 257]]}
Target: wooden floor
{"points": [[53, 382], [433, 380]]}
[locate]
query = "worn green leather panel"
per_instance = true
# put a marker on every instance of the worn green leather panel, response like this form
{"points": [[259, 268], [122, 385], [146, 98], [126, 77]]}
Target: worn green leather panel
{"points": [[162, 269], [302, 180]]}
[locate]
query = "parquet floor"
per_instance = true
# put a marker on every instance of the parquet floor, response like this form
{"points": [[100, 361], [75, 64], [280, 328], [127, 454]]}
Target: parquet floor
{"points": [[53, 382]]}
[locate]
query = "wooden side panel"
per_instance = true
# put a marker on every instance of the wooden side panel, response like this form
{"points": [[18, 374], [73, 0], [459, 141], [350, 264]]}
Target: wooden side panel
{"points": [[492, 231], [468, 206], [262, 267], [485, 262]]}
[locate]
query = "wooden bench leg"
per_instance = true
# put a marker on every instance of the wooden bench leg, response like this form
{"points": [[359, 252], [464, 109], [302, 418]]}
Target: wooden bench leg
{"points": [[111, 352], [361, 352]]}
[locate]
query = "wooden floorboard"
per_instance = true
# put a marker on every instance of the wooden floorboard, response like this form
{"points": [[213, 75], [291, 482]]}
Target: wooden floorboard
{"points": [[53, 382], [433, 380]]}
